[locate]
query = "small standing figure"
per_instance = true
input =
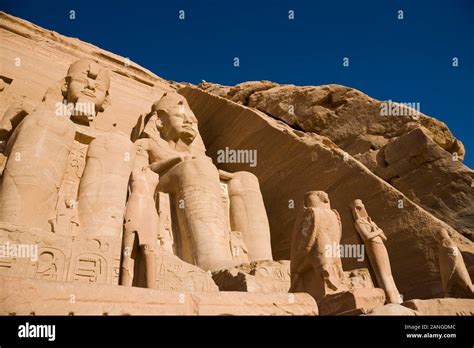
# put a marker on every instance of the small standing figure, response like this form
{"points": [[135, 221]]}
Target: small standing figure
{"points": [[317, 227], [141, 220], [373, 238], [454, 275]]}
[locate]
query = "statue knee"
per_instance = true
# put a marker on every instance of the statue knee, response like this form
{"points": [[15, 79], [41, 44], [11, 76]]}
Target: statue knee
{"points": [[244, 181]]}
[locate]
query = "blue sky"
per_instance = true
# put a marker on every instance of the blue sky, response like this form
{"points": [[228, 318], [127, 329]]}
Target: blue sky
{"points": [[407, 60]]}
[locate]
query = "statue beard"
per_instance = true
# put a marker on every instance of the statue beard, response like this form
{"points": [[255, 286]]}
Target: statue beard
{"points": [[187, 137]]}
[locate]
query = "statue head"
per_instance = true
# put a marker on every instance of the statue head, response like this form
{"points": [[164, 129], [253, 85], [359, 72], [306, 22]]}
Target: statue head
{"points": [[88, 82], [444, 235], [358, 209], [314, 199], [175, 119]]}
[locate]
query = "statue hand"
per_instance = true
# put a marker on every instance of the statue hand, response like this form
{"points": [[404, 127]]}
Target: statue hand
{"points": [[187, 157]]}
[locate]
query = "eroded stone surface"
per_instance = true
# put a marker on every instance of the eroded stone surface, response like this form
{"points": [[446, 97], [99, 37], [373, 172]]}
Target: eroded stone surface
{"points": [[367, 129], [27, 296], [353, 302], [315, 267], [392, 309], [261, 276], [411, 230]]}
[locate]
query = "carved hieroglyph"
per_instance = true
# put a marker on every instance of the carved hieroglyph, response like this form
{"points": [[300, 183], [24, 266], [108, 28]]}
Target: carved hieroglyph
{"points": [[313, 269], [454, 275], [373, 238], [59, 257]]}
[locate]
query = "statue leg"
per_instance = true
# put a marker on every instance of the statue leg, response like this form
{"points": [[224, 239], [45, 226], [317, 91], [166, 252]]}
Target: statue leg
{"points": [[379, 260], [317, 286], [150, 265], [205, 237], [128, 259], [37, 160], [248, 215], [103, 186]]}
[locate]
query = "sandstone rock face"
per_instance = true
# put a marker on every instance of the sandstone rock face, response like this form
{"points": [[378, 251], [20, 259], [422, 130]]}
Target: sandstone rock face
{"points": [[427, 168], [291, 163], [427, 174], [40, 297]]}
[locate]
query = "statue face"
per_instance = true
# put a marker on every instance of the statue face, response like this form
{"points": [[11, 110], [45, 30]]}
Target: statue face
{"points": [[87, 82], [178, 122], [444, 234], [358, 209]]}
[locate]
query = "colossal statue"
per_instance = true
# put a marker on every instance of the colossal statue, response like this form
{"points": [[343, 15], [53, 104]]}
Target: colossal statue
{"points": [[373, 238], [454, 275], [177, 154], [317, 229], [46, 154]]}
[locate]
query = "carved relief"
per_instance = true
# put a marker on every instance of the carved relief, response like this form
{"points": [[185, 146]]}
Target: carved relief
{"points": [[50, 264], [91, 268]]}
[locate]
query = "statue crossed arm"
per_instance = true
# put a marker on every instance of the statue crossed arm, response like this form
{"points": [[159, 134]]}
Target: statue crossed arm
{"points": [[369, 230]]}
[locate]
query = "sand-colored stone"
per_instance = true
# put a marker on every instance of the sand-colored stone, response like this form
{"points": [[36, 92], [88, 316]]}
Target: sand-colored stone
{"points": [[442, 306], [274, 276], [248, 215], [313, 269], [34, 187], [79, 211], [392, 309], [411, 230], [354, 302], [28, 296], [261, 276], [454, 275], [373, 238], [316, 267], [358, 125], [141, 220], [193, 181], [431, 176], [59, 258]]}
